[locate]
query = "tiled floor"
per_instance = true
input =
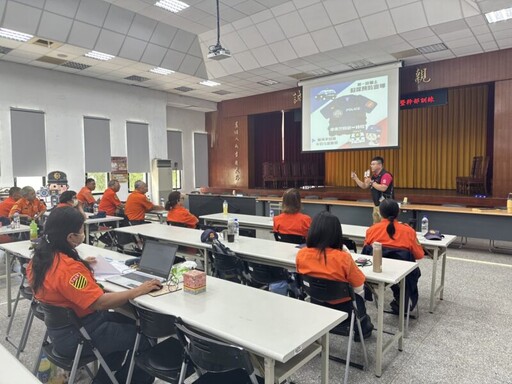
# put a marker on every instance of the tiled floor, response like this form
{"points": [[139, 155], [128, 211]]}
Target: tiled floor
{"points": [[466, 340]]}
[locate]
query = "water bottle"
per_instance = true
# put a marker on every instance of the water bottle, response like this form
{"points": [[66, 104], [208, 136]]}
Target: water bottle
{"points": [[225, 208], [162, 202], [45, 370], [509, 203], [271, 214], [231, 230], [33, 230], [377, 257], [95, 208], [237, 230], [16, 220], [424, 225]]}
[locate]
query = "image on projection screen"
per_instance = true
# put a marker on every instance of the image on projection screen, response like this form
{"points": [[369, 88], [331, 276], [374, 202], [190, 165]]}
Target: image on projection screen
{"points": [[351, 114], [351, 110]]}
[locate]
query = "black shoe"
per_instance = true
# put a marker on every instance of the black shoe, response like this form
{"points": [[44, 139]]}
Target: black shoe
{"points": [[340, 330], [395, 308], [366, 332]]}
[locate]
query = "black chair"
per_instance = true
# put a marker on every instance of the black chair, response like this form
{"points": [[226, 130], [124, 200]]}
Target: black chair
{"points": [[288, 238], [261, 275], [177, 224], [217, 362], [349, 243], [226, 264], [165, 359], [60, 317], [322, 291]]}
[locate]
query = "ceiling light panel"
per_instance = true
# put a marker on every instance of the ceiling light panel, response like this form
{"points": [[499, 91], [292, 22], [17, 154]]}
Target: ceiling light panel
{"points": [[99, 56], [432, 48], [501, 15], [174, 6], [161, 71], [268, 82], [209, 83], [14, 35]]}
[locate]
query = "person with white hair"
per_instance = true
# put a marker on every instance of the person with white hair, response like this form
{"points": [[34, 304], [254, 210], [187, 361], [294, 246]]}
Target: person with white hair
{"points": [[137, 204], [28, 207]]}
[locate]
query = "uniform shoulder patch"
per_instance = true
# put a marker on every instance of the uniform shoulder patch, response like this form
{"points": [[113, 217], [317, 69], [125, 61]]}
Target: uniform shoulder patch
{"points": [[78, 281]]}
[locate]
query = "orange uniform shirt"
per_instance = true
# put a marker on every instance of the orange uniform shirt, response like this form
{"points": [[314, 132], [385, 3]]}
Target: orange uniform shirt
{"points": [[109, 202], [292, 224], [404, 237], [70, 284], [25, 207], [181, 214], [85, 196], [137, 204], [339, 267], [6, 206]]}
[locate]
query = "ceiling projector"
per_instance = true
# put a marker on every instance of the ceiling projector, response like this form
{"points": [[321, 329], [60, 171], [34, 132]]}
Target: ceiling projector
{"points": [[219, 54]]}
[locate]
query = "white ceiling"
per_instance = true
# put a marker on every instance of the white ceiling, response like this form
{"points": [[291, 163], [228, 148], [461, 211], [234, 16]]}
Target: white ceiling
{"points": [[269, 39]]}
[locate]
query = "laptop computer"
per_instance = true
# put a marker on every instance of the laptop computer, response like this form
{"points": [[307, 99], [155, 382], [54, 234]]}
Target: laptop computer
{"points": [[155, 263]]}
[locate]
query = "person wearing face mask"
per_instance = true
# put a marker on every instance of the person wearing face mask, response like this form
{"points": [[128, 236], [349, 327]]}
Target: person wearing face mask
{"points": [[68, 199], [59, 277]]}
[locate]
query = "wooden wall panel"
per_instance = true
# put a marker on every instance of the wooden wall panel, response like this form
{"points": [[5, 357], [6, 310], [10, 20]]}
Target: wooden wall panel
{"points": [[267, 102], [475, 69], [502, 162]]}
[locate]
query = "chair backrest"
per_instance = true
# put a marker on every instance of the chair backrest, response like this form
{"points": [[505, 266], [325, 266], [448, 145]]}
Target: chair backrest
{"points": [[324, 289], [286, 169], [154, 324], [212, 355], [482, 172], [391, 253], [276, 169], [59, 317], [267, 169], [266, 274], [226, 264], [177, 224], [288, 238], [349, 243], [476, 165], [296, 169]]}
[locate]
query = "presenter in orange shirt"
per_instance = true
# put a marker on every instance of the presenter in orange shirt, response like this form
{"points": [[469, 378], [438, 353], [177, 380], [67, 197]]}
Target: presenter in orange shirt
{"points": [[324, 258], [177, 212], [137, 204], [59, 277], [7, 204]]}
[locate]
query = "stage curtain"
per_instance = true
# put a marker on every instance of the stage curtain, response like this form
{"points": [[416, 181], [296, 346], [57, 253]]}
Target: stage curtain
{"points": [[437, 144]]}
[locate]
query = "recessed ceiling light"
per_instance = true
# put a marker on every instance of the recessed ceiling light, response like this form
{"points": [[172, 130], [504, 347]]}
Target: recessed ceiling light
{"points": [[172, 5], [99, 56], [14, 35], [161, 71], [501, 15], [209, 83], [268, 82]]}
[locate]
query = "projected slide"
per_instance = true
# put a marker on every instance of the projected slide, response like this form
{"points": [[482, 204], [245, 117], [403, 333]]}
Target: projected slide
{"points": [[360, 111]]}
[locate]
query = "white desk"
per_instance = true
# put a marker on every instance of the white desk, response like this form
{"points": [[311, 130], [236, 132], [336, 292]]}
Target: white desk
{"points": [[261, 224], [106, 219], [7, 230], [161, 216], [13, 371], [281, 330], [283, 255]]}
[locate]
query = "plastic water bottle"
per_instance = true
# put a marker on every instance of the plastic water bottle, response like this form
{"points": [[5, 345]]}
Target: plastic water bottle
{"points": [[162, 202], [237, 230], [271, 214], [509, 203], [225, 208], [95, 208], [16, 220], [33, 230], [424, 225], [45, 370]]}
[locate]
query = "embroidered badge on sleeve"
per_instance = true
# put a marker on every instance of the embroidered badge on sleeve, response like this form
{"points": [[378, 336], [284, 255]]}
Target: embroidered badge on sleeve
{"points": [[78, 281]]}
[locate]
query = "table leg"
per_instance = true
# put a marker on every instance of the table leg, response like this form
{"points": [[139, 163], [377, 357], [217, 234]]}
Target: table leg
{"points": [[205, 259], [87, 230], [269, 370], [443, 269], [8, 281], [401, 313], [435, 256], [324, 341], [380, 329]]}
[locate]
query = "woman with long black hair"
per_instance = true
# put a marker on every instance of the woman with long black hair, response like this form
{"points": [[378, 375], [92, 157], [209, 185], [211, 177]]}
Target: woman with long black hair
{"points": [[59, 277]]}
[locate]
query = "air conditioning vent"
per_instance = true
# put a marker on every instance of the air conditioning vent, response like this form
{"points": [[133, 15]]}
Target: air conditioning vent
{"points": [[136, 78], [184, 89], [360, 64], [222, 93], [44, 43], [75, 65], [5, 50], [51, 60]]}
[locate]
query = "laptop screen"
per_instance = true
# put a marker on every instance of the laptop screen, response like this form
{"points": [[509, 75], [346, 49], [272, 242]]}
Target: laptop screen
{"points": [[157, 258]]}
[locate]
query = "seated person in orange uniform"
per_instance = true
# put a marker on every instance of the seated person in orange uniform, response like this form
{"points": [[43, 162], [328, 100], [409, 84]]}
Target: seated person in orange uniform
{"points": [[292, 221], [109, 202], [58, 276], [68, 199], [137, 204], [324, 258], [29, 207], [393, 234], [177, 212], [7, 204], [85, 195]]}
